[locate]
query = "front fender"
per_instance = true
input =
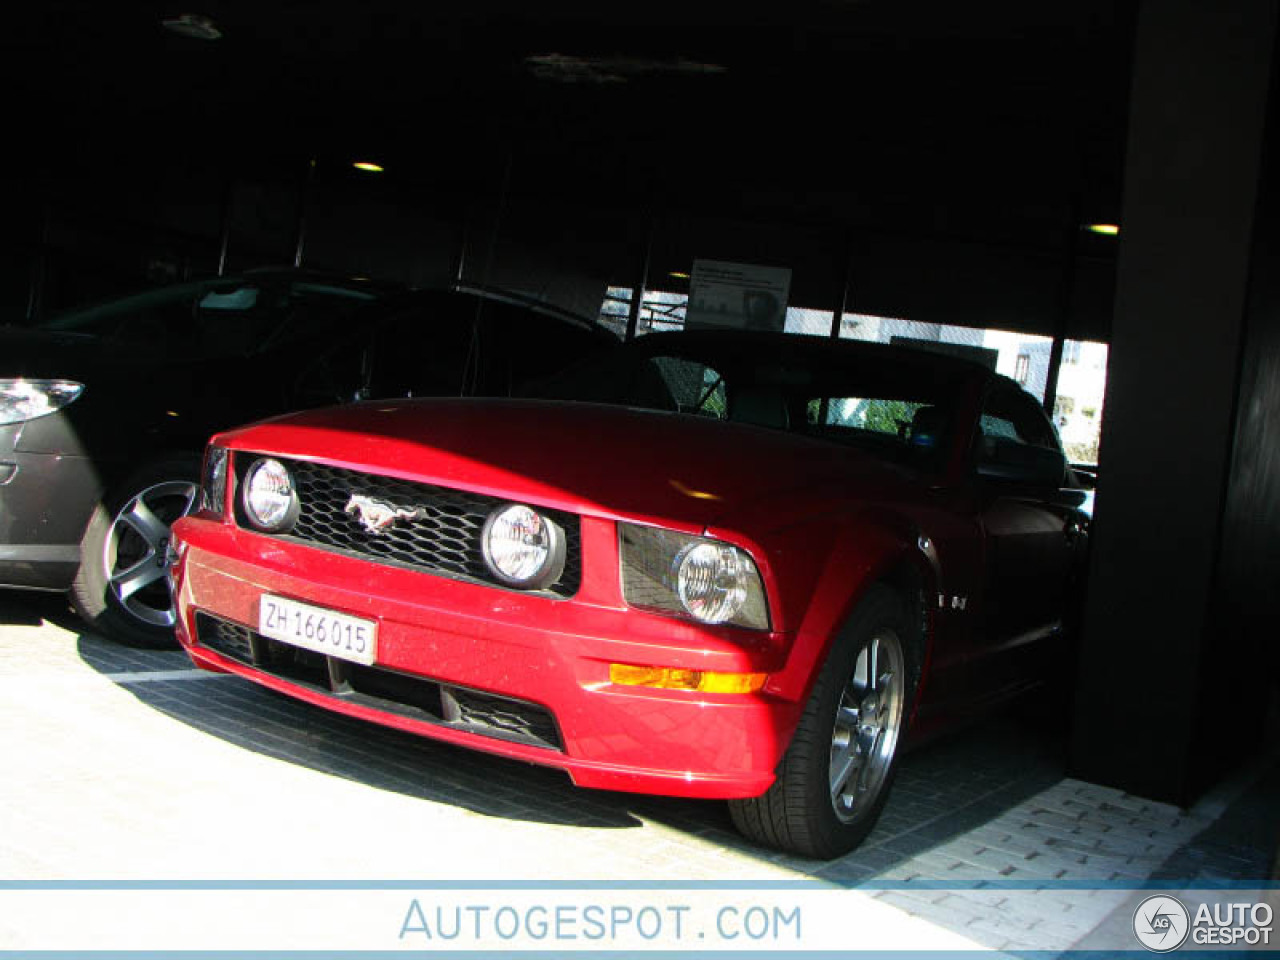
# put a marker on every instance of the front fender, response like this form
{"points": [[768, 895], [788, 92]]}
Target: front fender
{"points": [[819, 571]]}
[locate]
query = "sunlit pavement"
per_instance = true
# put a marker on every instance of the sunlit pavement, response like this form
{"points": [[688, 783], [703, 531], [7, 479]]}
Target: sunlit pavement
{"points": [[128, 764]]}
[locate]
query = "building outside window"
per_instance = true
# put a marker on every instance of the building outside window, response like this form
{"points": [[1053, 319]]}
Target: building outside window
{"points": [[1022, 369]]}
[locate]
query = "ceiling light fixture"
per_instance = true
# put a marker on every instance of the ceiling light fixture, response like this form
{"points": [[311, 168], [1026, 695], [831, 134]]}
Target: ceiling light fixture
{"points": [[193, 26], [565, 68], [678, 275], [368, 166], [1103, 229]]}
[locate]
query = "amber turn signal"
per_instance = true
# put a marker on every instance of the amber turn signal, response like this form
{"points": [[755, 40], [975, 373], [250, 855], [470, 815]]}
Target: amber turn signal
{"points": [[675, 678]]}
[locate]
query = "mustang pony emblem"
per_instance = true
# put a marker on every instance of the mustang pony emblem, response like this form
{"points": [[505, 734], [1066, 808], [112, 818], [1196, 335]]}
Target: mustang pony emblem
{"points": [[377, 515]]}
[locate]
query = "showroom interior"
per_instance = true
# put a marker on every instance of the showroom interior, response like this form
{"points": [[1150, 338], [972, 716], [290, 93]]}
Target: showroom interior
{"points": [[1090, 173]]}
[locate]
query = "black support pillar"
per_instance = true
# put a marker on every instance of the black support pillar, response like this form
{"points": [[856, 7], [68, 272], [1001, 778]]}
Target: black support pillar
{"points": [[1166, 697]]}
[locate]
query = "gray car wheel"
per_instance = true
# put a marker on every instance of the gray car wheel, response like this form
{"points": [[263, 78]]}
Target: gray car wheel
{"points": [[122, 587]]}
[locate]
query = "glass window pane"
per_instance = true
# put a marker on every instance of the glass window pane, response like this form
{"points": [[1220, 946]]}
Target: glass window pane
{"points": [[1082, 383], [814, 323], [662, 310], [872, 413], [615, 310], [695, 387]]}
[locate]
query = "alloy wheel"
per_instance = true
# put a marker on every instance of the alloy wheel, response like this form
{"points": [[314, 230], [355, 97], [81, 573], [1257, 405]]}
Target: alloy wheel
{"points": [[136, 555], [867, 724]]}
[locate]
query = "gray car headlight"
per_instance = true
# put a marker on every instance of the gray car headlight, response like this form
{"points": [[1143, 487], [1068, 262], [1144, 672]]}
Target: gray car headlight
{"points": [[697, 577], [523, 548], [22, 400], [269, 497], [213, 480]]}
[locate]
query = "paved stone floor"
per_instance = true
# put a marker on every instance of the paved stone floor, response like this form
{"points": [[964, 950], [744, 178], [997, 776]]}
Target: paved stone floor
{"points": [[129, 764]]}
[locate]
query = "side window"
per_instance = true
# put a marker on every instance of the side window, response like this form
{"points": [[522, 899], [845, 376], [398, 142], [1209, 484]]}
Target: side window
{"points": [[696, 388], [1017, 417], [876, 414], [1016, 441]]}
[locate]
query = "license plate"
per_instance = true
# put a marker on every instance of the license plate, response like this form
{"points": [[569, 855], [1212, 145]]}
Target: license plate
{"points": [[315, 628]]}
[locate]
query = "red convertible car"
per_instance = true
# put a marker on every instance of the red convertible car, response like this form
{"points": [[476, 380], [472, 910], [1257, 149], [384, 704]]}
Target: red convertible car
{"points": [[721, 565]]}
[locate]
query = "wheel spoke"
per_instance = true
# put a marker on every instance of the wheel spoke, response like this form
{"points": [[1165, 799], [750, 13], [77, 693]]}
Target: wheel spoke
{"points": [[871, 761], [843, 767], [848, 717], [146, 524], [884, 683], [867, 736], [128, 582]]}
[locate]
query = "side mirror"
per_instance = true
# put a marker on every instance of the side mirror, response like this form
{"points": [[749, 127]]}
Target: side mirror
{"points": [[1000, 458]]}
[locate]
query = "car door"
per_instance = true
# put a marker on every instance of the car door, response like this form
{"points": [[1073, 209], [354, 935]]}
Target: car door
{"points": [[1028, 527]]}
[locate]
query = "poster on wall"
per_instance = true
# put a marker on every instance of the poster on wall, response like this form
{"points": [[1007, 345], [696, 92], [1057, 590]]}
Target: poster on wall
{"points": [[742, 296]]}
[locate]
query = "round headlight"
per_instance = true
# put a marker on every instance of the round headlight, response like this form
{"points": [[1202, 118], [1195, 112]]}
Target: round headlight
{"points": [[270, 499], [712, 580], [523, 548]]}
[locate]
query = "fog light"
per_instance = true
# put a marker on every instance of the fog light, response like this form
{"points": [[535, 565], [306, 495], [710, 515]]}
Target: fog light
{"points": [[270, 499], [523, 548], [678, 678]]}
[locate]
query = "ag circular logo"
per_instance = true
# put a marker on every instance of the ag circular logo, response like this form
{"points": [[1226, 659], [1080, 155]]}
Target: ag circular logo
{"points": [[1161, 924]]}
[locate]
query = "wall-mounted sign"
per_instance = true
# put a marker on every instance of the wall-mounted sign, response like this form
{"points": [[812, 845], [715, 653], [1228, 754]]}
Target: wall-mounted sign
{"points": [[743, 296]]}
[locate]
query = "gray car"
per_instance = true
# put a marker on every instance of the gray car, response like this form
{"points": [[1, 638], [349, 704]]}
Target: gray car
{"points": [[104, 411]]}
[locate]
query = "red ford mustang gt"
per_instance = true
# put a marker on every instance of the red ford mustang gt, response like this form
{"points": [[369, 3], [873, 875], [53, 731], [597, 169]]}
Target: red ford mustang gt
{"points": [[712, 565]]}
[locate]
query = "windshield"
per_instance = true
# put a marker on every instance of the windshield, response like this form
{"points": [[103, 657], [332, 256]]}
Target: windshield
{"points": [[233, 317], [883, 401]]}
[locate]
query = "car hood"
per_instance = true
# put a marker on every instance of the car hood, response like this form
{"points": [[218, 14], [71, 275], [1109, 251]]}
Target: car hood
{"points": [[586, 458]]}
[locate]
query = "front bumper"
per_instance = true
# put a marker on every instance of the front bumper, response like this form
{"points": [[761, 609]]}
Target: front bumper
{"points": [[547, 656]]}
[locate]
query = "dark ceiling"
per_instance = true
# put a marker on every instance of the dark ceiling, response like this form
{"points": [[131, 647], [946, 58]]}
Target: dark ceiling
{"points": [[992, 121]]}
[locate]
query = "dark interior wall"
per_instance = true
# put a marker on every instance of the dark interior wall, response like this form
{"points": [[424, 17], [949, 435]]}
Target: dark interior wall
{"points": [[964, 134], [1157, 670], [361, 223], [112, 231], [263, 222], [1244, 601], [101, 232]]}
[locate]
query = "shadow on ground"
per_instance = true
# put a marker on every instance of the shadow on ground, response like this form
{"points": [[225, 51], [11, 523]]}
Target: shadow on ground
{"points": [[943, 789], [22, 609]]}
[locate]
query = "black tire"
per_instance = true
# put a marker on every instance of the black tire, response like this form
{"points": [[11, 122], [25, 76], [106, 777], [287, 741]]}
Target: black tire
{"points": [[121, 588], [810, 809]]}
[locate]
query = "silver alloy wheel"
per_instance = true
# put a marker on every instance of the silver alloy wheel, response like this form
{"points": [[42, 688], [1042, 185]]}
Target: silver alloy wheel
{"points": [[136, 555], [868, 721]]}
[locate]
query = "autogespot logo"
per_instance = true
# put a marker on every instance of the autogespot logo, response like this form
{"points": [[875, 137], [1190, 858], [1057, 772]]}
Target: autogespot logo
{"points": [[1161, 924]]}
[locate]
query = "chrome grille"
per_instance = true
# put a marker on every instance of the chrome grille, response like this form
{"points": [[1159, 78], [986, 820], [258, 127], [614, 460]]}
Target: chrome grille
{"points": [[443, 537], [229, 639]]}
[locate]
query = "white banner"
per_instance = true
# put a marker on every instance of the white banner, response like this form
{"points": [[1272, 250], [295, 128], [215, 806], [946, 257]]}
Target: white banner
{"points": [[790, 919]]}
